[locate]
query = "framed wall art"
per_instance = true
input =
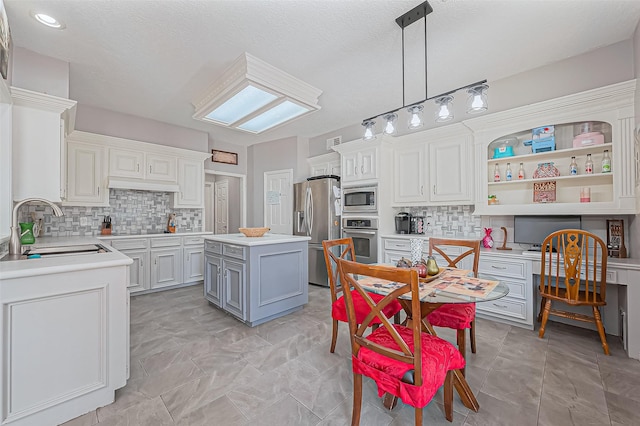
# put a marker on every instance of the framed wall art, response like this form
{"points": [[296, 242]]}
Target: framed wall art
{"points": [[5, 40], [224, 157]]}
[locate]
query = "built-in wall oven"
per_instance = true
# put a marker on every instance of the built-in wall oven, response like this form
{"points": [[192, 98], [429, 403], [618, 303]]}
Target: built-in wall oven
{"points": [[360, 199], [364, 232]]}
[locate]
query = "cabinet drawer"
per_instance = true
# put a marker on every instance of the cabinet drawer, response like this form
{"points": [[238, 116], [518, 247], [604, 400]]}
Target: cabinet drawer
{"points": [[398, 245], [505, 307], [138, 243], [516, 288], [192, 241], [213, 246], [233, 251], [166, 242], [506, 268]]}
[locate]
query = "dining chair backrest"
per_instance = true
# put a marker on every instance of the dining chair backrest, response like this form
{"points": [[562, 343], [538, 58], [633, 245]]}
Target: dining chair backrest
{"points": [[409, 284], [346, 250], [472, 249], [574, 266]]}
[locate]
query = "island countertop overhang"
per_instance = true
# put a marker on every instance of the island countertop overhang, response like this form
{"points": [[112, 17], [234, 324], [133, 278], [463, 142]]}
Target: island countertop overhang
{"points": [[242, 240]]}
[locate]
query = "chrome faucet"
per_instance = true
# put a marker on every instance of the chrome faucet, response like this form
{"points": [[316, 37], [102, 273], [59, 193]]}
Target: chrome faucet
{"points": [[14, 242]]}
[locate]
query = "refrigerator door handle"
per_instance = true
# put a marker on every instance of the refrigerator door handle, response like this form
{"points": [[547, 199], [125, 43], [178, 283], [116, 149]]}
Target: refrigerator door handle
{"points": [[309, 212]]}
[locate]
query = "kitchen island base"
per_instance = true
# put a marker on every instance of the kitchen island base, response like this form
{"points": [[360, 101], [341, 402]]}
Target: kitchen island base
{"points": [[256, 279]]}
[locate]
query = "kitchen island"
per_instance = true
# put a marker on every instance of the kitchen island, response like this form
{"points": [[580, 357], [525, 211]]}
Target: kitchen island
{"points": [[64, 329], [256, 279]]}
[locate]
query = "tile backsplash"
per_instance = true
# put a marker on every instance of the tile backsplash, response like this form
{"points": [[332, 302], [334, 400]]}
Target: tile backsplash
{"points": [[132, 212], [448, 221]]}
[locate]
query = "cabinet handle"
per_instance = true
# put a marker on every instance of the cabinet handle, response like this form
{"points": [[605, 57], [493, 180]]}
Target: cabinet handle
{"points": [[141, 262], [155, 261], [421, 189], [149, 168], [500, 306], [362, 169], [434, 190], [355, 170], [98, 191], [138, 166], [498, 267]]}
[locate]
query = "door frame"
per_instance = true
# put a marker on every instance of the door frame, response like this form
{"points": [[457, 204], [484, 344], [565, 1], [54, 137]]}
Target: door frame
{"points": [[243, 194], [288, 208]]}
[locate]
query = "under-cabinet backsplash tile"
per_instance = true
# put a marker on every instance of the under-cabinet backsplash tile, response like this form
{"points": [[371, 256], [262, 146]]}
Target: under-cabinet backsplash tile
{"points": [[449, 221], [132, 212]]}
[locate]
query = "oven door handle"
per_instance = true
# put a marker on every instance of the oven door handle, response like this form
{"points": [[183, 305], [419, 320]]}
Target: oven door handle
{"points": [[358, 231]]}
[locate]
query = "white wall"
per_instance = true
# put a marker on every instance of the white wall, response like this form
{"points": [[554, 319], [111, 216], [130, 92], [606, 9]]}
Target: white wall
{"points": [[601, 67], [97, 120], [40, 73]]}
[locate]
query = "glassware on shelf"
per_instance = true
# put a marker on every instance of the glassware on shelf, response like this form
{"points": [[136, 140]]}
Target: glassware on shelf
{"points": [[521, 172], [496, 173], [606, 162], [588, 165], [508, 174], [546, 170], [573, 167]]}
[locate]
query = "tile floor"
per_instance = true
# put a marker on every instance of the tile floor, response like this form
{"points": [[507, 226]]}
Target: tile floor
{"points": [[193, 365]]}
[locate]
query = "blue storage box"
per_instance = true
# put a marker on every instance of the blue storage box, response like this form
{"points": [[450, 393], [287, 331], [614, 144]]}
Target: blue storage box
{"points": [[543, 145], [503, 151]]}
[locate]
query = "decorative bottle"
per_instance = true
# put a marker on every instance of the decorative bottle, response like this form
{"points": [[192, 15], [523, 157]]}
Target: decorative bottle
{"points": [[606, 162], [487, 241], [508, 174], [496, 173], [573, 167], [521, 172], [588, 165]]}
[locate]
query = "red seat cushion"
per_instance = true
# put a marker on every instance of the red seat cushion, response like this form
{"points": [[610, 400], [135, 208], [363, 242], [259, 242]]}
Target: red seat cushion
{"points": [[339, 309], [457, 316], [438, 357]]}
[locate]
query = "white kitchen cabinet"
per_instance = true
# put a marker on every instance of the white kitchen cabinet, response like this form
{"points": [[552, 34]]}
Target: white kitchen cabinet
{"points": [[166, 267], [39, 125], [611, 107], [85, 175], [433, 167], [359, 162], [139, 277], [410, 174], [193, 259], [160, 167], [517, 307], [190, 183], [326, 164], [127, 163]]}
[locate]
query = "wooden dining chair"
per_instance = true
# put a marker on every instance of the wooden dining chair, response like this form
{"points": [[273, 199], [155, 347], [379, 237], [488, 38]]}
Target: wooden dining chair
{"points": [[459, 316], [402, 360], [570, 273], [346, 250]]}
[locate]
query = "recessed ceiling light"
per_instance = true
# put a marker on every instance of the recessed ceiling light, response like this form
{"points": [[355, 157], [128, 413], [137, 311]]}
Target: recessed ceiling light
{"points": [[48, 20]]}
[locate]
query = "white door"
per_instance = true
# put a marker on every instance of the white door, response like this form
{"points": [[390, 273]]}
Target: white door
{"points": [[278, 201], [222, 207], [208, 207]]}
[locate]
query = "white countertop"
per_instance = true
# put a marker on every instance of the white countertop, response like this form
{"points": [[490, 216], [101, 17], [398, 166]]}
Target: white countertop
{"points": [[160, 234], [54, 265], [241, 239]]}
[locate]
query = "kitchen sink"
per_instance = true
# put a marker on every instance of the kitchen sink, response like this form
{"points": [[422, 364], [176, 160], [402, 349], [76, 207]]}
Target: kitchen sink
{"points": [[56, 251]]}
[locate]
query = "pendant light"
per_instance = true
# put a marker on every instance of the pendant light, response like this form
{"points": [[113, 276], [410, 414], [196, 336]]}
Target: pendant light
{"points": [[477, 91], [415, 116], [477, 101], [369, 131], [445, 111], [390, 127]]}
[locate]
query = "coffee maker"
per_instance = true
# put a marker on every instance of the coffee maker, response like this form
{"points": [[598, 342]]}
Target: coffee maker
{"points": [[403, 223]]}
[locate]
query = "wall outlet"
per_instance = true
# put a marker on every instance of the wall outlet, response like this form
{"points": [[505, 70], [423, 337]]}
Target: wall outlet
{"points": [[83, 221]]}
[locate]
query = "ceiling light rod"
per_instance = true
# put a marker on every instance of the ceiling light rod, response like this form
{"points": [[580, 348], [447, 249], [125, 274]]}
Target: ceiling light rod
{"points": [[468, 86]]}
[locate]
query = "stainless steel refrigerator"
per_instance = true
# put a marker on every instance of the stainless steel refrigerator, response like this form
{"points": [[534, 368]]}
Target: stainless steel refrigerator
{"points": [[316, 210]]}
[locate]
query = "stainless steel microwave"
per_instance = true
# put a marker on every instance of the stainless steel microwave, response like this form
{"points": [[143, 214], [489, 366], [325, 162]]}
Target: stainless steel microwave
{"points": [[361, 199]]}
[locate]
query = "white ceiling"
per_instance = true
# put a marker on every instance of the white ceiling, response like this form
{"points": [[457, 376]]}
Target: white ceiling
{"points": [[154, 58]]}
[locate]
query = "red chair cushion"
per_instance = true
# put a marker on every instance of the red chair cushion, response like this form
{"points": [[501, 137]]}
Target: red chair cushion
{"points": [[339, 309], [457, 316], [438, 357]]}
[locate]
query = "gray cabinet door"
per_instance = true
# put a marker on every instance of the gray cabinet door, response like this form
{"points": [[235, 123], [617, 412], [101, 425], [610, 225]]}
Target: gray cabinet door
{"points": [[193, 264], [212, 279], [233, 296], [167, 267]]}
